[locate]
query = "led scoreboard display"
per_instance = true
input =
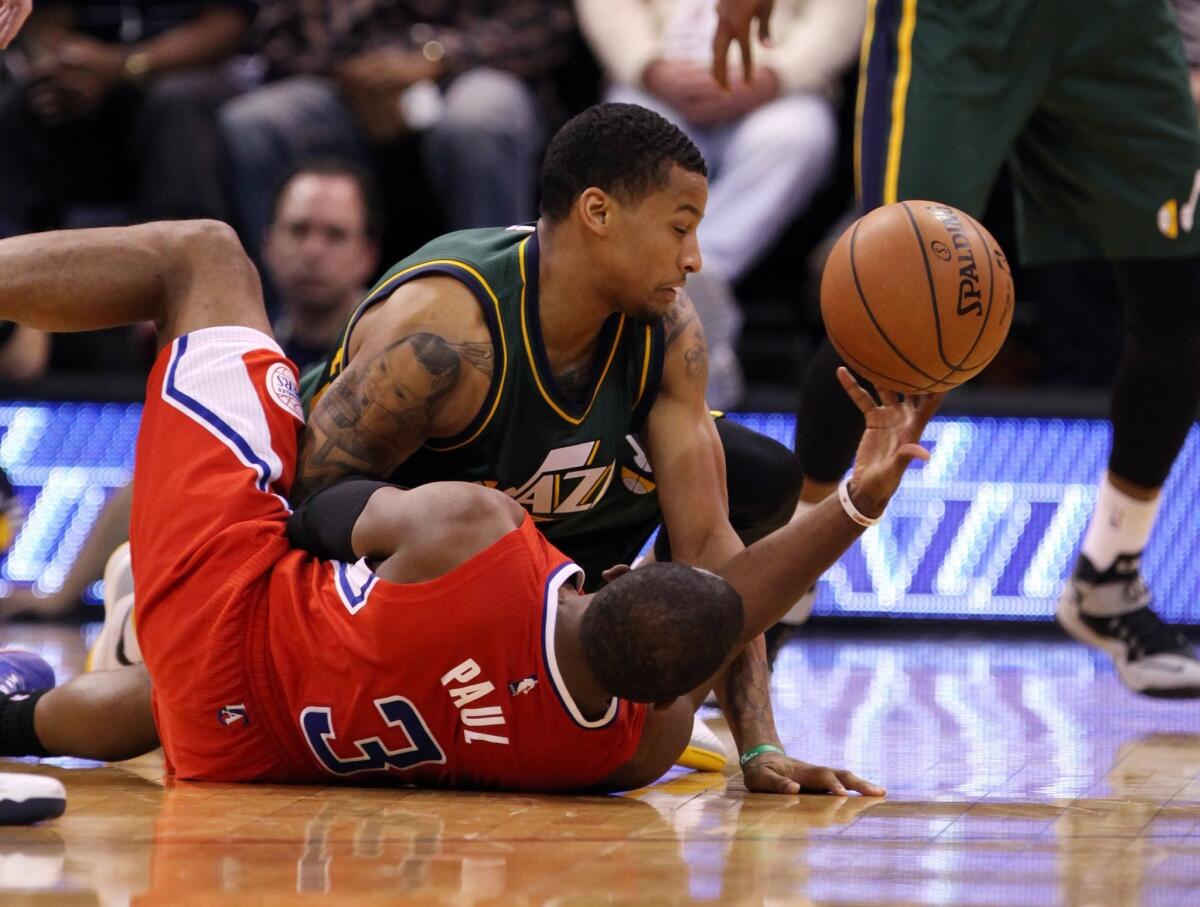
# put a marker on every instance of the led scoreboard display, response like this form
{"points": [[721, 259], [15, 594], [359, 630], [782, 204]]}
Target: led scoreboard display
{"points": [[987, 529]]}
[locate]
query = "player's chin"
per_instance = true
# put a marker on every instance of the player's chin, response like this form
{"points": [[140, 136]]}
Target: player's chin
{"points": [[655, 306]]}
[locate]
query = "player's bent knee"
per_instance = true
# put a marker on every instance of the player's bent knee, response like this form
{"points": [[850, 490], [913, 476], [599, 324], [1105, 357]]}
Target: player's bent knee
{"points": [[210, 281]]}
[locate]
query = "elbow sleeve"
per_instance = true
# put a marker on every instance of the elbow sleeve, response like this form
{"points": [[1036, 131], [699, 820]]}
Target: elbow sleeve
{"points": [[323, 524]]}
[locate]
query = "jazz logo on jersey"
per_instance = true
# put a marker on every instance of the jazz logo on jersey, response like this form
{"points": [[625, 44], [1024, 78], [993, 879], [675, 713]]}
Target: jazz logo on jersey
{"points": [[232, 714], [568, 481], [522, 686], [571, 481]]}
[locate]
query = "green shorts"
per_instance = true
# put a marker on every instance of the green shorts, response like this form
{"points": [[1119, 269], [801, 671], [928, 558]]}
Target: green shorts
{"points": [[1086, 100]]}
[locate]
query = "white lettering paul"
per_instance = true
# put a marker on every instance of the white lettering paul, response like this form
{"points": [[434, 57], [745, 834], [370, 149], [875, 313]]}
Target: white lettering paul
{"points": [[468, 692]]}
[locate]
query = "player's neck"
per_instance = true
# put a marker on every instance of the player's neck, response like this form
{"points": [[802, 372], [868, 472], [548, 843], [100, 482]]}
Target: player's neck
{"points": [[572, 306], [581, 684]]}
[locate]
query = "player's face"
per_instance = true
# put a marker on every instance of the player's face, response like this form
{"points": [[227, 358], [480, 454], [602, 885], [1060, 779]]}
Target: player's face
{"points": [[317, 248], [656, 245]]}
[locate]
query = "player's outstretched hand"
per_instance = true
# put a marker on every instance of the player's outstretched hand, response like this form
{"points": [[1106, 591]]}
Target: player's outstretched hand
{"points": [[13, 14], [734, 20], [775, 773], [889, 443]]}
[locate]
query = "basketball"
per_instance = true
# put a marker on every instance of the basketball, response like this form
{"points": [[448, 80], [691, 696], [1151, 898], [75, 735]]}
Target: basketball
{"points": [[917, 297]]}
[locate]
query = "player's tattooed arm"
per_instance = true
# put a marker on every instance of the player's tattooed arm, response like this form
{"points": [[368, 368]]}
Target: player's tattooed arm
{"points": [[744, 692], [685, 337], [381, 408]]}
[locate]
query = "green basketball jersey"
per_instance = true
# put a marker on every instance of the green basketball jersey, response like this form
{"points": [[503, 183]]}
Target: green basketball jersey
{"points": [[576, 467]]}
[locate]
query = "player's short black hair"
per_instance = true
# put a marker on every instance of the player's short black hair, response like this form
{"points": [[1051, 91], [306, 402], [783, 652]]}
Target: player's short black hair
{"points": [[660, 631], [624, 149], [330, 165]]}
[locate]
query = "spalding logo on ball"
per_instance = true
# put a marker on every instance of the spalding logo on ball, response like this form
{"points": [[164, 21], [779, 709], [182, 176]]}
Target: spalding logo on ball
{"points": [[917, 297]]}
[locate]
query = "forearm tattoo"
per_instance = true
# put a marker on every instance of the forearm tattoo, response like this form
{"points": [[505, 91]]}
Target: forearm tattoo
{"points": [[745, 693]]}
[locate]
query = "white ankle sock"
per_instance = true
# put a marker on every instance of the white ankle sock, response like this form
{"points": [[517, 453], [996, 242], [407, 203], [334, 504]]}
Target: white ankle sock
{"points": [[1120, 525]]}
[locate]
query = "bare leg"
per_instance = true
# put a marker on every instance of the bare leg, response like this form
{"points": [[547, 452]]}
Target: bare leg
{"points": [[103, 715], [183, 275]]}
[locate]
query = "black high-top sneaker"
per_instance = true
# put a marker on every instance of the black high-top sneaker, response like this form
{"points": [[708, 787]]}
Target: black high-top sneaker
{"points": [[1111, 611]]}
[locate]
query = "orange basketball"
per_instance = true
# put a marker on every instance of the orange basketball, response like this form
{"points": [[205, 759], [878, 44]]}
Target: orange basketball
{"points": [[917, 297]]}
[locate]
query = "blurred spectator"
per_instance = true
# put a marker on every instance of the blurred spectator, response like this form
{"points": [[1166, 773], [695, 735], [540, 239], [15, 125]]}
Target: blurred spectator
{"points": [[470, 75], [321, 249], [769, 144], [114, 100]]}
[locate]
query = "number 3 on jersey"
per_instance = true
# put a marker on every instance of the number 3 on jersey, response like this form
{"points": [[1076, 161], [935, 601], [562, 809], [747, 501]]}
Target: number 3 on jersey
{"points": [[374, 756]]}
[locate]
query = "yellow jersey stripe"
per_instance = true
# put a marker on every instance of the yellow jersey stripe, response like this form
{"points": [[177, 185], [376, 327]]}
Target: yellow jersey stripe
{"points": [[864, 55], [645, 367], [908, 25], [503, 357]]}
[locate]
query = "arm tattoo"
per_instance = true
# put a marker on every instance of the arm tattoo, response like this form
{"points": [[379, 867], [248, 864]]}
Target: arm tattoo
{"points": [[480, 356], [678, 319], [379, 411], [696, 357], [745, 693]]}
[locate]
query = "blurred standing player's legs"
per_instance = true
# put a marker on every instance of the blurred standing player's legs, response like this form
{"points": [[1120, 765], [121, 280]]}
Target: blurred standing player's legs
{"points": [[1089, 105]]}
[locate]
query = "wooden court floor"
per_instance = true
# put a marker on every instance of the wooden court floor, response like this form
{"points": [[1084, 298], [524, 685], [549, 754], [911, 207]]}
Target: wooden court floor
{"points": [[1019, 773]]}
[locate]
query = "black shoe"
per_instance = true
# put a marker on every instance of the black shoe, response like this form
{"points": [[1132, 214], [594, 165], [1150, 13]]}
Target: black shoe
{"points": [[1111, 611]]}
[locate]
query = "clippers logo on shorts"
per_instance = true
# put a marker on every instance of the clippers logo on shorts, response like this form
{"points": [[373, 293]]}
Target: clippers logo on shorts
{"points": [[232, 714], [281, 385]]}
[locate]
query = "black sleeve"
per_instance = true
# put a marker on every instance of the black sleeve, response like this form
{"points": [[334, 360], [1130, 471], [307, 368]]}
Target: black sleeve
{"points": [[323, 524]]}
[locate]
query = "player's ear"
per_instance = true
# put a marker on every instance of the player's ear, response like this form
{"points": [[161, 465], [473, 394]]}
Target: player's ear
{"points": [[612, 573], [595, 208]]}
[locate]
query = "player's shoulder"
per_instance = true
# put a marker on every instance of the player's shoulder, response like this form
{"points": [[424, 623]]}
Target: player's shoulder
{"points": [[685, 355], [681, 321], [445, 282], [435, 303], [482, 254]]}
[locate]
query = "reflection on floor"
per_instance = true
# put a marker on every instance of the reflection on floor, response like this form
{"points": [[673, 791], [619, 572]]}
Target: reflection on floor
{"points": [[1019, 773]]}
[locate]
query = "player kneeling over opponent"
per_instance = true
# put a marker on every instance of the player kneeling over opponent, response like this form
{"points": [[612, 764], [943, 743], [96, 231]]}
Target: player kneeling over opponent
{"points": [[467, 657]]}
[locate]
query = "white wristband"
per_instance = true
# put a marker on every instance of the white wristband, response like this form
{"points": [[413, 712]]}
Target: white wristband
{"points": [[848, 505]]}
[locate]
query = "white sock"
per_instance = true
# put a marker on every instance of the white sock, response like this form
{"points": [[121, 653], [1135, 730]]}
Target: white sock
{"points": [[1120, 525]]}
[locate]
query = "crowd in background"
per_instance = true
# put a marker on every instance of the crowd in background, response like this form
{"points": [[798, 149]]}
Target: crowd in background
{"points": [[337, 135]]}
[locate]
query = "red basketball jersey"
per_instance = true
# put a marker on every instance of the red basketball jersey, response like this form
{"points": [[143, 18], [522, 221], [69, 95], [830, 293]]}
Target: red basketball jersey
{"points": [[451, 682], [269, 664]]}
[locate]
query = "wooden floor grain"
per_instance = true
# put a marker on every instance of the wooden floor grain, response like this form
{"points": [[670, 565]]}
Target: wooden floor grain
{"points": [[1020, 773]]}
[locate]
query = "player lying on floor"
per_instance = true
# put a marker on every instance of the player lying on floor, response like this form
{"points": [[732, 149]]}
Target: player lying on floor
{"points": [[467, 657]]}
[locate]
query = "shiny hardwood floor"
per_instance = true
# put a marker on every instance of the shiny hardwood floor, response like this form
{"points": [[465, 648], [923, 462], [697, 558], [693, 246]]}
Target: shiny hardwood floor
{"points": [[1020, 773]]}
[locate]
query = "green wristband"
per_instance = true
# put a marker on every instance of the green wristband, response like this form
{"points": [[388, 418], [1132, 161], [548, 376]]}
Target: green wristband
{"points": [[751, 754]]}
